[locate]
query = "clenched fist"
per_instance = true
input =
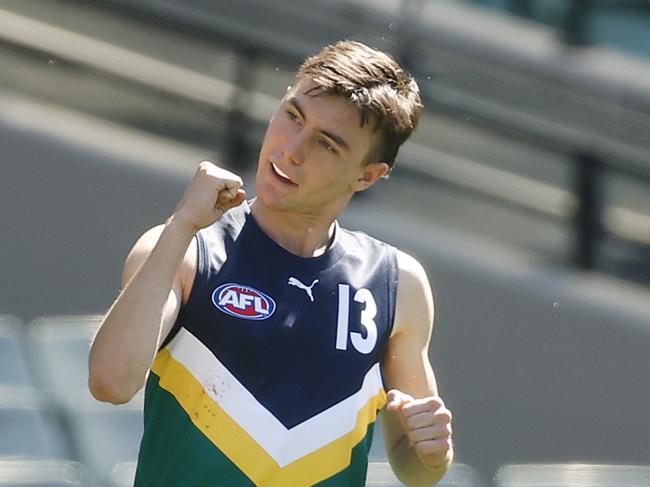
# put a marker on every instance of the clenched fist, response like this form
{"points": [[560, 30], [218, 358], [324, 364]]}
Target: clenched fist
{"points": [[211, 193], [427, 425]]}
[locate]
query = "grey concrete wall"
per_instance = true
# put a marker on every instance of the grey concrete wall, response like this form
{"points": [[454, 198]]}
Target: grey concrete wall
{"points": [[537, 364], [69, 216]]}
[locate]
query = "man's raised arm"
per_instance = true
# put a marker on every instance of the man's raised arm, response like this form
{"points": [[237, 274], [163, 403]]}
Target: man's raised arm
{"points": [[157, 276]]}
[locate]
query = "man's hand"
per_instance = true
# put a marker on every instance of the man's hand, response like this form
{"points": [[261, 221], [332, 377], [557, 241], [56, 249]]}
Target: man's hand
{"points": [[427, 426], [212, 192]]}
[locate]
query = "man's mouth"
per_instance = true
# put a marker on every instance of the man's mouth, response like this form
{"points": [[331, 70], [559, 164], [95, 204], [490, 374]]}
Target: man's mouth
{"points": [[281, 174]]}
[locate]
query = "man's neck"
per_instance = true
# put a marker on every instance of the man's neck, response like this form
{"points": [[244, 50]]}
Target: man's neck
{"points": [[299, 233]]}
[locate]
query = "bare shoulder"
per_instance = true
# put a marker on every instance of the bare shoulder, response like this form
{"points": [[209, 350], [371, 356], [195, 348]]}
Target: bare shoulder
{"points": [[414, 307], [143, 247], [410, 270]]}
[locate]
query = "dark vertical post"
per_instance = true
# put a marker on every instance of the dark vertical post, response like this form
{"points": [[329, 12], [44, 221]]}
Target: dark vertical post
{"points": [[588, 228], [523, 8], [411, 12], [575, 30], [238, 123]]}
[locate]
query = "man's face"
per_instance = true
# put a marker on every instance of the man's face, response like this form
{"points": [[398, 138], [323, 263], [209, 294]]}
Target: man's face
{"points": [[314, 153]]}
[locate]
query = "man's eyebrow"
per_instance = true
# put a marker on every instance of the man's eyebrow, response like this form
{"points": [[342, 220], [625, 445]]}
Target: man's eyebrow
{"points": [[335, 137], [296, 105]]}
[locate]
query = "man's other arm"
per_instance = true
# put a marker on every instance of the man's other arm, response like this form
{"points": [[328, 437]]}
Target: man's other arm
{"points": [[417, 425]]}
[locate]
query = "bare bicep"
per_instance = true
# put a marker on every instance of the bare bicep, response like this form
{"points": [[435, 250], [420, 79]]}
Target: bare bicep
{"points": [[406, 361], [183, 280], [180, 292], [139, 253]]}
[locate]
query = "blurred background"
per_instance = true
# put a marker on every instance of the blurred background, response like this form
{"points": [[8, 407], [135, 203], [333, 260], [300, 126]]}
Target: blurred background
{"points": [[525, 193]]}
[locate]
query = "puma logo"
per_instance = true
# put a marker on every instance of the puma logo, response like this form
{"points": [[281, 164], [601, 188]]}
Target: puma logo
{"points": [[295, 282]]}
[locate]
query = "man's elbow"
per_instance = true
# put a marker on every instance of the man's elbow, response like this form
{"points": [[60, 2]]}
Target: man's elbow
{"points": [[106, 389]]}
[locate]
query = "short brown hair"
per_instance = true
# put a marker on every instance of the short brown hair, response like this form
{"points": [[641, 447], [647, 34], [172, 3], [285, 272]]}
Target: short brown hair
{"points": [[376, 84]]}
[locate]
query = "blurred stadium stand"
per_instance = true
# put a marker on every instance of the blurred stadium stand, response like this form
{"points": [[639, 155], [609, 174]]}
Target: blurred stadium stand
{"points": [[27, 426], [13, 362], [379, 475], [29, 472], [107, 435], [563, 150], [100, 435], [123, 474], [621, 24], [527, 190], [58, 350], [575, 475]]}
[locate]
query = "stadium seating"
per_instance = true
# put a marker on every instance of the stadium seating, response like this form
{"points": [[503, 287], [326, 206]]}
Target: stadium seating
{"points": [[58, 347], [123, 474], [105, 434], [26, 428], [459, 475], [572, 475], [33, 447], [23, 472], [13, 366], [101, 435], [379, 475]]}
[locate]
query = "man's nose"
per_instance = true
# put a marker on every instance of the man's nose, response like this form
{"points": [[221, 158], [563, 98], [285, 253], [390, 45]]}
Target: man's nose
{"points": [[294, 149]]}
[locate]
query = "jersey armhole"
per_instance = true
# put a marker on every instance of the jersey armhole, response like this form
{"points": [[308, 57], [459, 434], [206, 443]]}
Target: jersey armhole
{"points": [[393, 282]]}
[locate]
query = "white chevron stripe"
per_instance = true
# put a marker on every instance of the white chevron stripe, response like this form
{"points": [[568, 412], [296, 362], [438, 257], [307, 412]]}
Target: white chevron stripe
{"points": [[282, 444]]}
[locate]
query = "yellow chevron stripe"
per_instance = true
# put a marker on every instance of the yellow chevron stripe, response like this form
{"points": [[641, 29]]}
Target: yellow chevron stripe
{"points": [[242, 449]]}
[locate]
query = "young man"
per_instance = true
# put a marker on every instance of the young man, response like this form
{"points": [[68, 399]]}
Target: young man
{"points": [[266, 334]]}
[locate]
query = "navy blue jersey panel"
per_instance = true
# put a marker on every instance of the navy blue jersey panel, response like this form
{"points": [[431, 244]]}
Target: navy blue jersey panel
{"points": [[299, 333]]}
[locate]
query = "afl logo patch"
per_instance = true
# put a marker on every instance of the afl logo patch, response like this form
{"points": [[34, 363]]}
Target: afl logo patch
{"points": [[243, 302]]}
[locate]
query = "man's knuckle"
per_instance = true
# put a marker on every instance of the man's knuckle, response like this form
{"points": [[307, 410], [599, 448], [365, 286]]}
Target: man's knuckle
{"points": [[444, 415], [428, 447], [411, 422], [407, 409], [445, 434], [435, 401]]}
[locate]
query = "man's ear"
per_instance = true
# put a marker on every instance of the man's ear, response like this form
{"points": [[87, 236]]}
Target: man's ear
{"points": [[372, 172]]}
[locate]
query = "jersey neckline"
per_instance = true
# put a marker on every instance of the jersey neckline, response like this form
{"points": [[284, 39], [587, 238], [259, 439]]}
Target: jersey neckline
{"points": [[334, 252]]}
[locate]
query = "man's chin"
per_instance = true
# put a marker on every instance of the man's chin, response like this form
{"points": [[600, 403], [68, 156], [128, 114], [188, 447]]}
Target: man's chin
{"points": [[272, 200]]}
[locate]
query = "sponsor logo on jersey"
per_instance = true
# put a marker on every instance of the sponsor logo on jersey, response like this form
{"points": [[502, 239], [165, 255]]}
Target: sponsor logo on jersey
{"points": [[243, 301], [294, 281]]}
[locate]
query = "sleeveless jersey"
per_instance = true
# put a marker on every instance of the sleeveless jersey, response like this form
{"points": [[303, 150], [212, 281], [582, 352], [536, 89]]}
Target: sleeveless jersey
{"points": [[271, 375]]}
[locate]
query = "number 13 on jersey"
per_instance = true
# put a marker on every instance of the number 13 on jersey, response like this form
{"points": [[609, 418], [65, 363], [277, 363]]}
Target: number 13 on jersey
{"points": [[363, 344]]}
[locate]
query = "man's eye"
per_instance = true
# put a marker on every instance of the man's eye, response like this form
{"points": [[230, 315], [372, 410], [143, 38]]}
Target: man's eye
{"points": [[292, 116], [328, 146]]}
